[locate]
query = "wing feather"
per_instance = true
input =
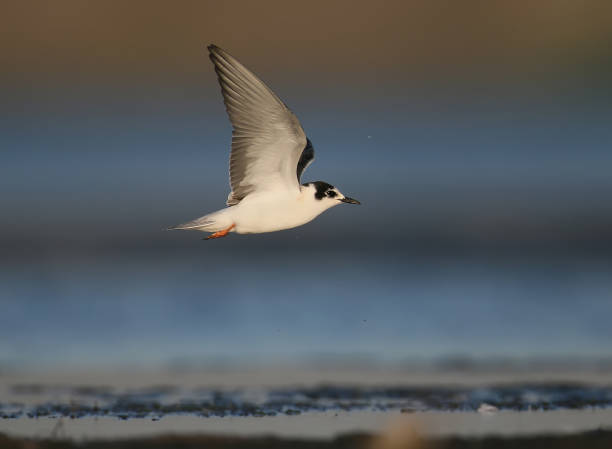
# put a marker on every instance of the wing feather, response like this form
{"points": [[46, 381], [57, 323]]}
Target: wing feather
{"points": [[267, 138], [306, 159]]}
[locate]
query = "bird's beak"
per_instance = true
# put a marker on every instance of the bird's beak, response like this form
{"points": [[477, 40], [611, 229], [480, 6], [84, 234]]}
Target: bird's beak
{"points": [[348, 200]]}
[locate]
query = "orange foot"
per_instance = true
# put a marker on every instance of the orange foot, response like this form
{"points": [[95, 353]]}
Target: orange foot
{"points": [[220, 234]]}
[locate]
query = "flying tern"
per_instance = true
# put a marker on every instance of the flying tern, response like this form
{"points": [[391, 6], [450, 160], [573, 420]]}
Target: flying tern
{"points": [[269, 154]]}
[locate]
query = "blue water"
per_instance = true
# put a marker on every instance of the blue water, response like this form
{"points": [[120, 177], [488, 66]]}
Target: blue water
{"points": [[484, 229], [287, 305]]}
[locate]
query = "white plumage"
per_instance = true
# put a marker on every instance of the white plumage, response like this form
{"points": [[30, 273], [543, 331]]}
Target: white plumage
{"points": [[269, 153]]}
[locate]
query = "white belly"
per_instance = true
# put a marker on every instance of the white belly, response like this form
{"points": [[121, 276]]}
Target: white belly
{"points": [[268, 212]]}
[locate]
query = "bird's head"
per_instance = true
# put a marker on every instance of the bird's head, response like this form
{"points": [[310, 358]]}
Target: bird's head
{"points": [[327, 195]]}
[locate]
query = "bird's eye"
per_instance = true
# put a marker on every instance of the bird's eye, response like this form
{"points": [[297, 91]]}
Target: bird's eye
{"points": [[331, 193]]}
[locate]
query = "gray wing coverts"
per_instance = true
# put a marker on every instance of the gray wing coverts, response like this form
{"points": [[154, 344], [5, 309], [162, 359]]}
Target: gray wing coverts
{"points": [[267, 138]]}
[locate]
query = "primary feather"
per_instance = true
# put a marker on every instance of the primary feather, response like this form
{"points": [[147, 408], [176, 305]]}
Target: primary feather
{"points": [[267, 138]]}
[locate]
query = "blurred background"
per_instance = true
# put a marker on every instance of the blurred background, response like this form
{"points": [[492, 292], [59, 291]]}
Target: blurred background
{"points": [[477, 136]]}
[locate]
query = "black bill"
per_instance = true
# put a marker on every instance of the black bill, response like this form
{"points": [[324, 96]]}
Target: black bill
{"points": [[348, 200]]}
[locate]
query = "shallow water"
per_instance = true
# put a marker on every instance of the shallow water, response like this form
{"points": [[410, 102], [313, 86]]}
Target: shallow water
{"points": [[210, 305], [157, 402], [200, 340], [320, 425]]}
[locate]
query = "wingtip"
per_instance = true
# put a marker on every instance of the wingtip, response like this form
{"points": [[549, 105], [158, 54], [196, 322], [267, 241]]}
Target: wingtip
{"points": [[214, 52], [212, 48]]}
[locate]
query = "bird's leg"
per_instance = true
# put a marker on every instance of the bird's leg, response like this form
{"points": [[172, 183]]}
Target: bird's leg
{"points": [[220, 234]]}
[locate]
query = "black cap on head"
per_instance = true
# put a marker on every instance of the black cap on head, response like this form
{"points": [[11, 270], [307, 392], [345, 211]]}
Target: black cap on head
{"points": [[322, 188]]}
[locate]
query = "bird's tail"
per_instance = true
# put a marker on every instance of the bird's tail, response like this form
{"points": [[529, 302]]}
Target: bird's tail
{"points": [[209, 223], [199, 224]]}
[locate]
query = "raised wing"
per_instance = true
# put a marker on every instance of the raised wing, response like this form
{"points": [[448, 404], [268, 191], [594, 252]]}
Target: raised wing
{"points": [[267, 138]]}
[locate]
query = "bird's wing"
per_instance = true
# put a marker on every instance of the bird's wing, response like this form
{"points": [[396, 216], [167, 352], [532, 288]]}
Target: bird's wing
{"points": [[306, 159], [267, 138]]}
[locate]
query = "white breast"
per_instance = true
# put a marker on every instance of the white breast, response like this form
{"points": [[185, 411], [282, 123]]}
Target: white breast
{"points": [[275, 210]]}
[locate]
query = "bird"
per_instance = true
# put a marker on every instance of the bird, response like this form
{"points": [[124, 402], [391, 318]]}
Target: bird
{"points": [[269, 153]]}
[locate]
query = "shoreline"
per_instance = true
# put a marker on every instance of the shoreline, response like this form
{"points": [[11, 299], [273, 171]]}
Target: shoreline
{"points": [[319, 425]]}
